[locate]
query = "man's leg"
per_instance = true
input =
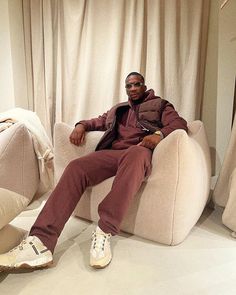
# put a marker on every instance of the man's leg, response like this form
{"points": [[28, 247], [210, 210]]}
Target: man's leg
{"points": [[36, 250], [134, 166], [80, 173]]}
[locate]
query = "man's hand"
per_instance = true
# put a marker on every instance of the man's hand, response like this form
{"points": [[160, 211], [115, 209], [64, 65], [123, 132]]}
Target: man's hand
{"points": [[78, 135], [150, 141]]}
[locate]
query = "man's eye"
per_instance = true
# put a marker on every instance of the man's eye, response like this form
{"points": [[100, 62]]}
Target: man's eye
{"points": [[137, 84]]}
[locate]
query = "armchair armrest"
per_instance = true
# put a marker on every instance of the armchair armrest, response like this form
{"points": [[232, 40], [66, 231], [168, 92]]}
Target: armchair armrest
{"points": [[65, 151]]}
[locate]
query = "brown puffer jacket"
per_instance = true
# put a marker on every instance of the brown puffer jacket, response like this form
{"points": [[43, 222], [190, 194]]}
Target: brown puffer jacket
{"points": [[153, 113]]}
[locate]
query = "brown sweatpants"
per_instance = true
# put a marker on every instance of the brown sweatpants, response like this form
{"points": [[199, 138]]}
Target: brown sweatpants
{"points": [[130, 166]]}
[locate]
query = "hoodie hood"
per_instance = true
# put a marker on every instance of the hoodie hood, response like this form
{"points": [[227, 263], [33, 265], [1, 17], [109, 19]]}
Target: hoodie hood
{"points": [[148, 95]]}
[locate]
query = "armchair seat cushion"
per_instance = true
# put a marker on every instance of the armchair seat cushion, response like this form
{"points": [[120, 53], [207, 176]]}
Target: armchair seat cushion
{"points": [[172, 199], [10, 236], [11, 204]]}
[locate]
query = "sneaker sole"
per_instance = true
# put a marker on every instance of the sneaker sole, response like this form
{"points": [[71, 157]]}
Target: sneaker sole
{"points": [[26, 266], [98, 266]]}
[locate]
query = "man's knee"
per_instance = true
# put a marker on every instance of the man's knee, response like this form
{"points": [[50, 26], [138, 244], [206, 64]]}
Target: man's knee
{"points": [[75, 166], [137, 154]]}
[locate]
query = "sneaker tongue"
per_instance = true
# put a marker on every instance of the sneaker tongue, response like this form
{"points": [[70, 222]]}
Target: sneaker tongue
{"points": [[98, 230], [32, 238]]}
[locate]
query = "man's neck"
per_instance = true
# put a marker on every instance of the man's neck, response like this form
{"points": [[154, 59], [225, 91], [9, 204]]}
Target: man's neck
{"points": [[140, 100]]}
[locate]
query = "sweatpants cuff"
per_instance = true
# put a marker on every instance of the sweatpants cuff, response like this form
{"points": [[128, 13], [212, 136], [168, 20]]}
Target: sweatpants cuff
{"points": [[106, 229]]}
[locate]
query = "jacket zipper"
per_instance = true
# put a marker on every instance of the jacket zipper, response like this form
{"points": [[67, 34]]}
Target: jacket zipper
{"points": [[136, 114], [143, 128]]}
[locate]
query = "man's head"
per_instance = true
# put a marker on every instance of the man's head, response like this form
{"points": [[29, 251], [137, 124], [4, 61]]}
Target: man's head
{"points": [[135, 85]]}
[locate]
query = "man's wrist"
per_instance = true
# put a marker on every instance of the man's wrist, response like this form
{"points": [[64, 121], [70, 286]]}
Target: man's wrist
{"points": [[158, 132], [81, 124]]}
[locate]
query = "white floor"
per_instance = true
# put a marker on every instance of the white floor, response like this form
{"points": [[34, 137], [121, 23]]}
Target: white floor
{"points": [[205, 263]]}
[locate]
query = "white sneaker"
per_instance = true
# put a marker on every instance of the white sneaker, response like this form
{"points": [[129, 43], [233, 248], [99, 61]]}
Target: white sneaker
{"points": [[100, 251], [30, 253]]}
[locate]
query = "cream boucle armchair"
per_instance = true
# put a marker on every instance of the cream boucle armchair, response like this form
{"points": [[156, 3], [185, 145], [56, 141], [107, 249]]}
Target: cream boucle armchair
{"points": [[26, 169], [19, 180], [170, 202]]}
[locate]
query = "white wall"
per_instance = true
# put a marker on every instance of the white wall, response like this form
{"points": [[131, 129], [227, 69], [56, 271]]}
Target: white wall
{"points": [[13, 83], [7, 99], [210, 86]]}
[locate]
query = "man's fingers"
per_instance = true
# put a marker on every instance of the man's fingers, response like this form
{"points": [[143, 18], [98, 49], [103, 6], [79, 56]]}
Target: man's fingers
{"points": [[82, 138], [76, 137], [147, 144], [143, 143]]}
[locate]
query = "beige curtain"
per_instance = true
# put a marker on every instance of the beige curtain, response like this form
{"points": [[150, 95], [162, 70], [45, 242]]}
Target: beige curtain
{"points": [[79, 53], [224, 194]]}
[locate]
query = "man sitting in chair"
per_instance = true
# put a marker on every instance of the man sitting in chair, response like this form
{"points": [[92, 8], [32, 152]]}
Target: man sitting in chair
{"points": [[132, 130]]}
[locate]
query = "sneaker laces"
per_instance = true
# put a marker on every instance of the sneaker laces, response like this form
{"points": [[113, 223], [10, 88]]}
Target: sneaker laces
{"points": [[20, 246], [99, 240]]}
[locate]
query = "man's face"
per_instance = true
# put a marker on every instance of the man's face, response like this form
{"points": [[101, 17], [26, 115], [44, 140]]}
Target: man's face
{"points": [[135, 87]]}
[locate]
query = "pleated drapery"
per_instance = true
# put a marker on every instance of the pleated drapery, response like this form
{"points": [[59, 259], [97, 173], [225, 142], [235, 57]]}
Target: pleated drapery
{"points": [[78, 53]]}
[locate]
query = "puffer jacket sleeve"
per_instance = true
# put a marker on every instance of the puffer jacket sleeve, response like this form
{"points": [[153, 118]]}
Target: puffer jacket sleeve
{"points": [[95, 124], [171, 120]]}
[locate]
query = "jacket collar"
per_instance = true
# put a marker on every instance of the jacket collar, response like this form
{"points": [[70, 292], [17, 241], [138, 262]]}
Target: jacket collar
{"points": [[148, 95]]}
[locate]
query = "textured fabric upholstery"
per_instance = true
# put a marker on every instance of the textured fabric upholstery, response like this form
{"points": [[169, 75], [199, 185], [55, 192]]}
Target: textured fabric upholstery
{"points": [[18, 164], [172, 199], [19, 178], [10, 236], [11, 204]]}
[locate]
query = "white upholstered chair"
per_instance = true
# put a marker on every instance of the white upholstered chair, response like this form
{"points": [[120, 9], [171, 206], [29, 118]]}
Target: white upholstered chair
{"points": [[19, 180], [26, 168], [172, 199]]}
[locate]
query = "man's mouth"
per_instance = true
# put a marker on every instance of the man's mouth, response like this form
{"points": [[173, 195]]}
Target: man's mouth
{"points": [[133, 95]]}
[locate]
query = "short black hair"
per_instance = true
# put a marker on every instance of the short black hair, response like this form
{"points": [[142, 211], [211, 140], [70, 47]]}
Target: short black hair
{"points": [[136, 74]]}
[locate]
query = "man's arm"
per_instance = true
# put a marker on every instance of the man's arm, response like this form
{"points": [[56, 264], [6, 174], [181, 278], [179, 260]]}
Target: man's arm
{"points": [[171, 121], [77, 136]]}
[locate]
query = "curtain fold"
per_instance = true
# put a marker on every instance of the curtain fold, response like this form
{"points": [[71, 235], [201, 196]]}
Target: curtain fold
{"points": [[80, 51]]}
